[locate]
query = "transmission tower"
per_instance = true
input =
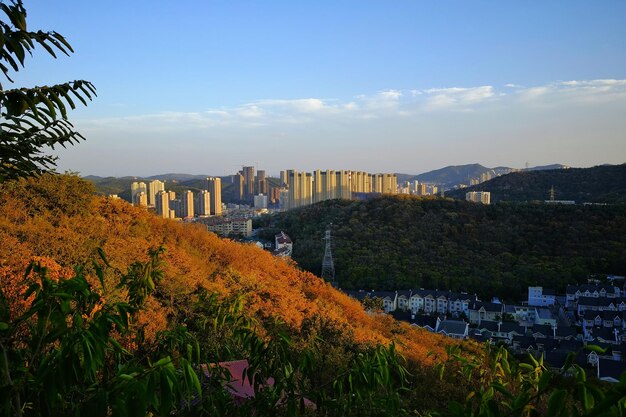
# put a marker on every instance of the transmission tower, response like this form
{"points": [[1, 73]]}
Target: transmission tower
{"points": [[552, 193], [328, 266]]}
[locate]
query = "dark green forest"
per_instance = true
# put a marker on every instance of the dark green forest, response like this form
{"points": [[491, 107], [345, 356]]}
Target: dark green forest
{"points": [[402, 242], [601, 184]]}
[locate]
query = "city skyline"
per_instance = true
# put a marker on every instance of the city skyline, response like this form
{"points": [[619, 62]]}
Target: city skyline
{"points": [[402, 87]]}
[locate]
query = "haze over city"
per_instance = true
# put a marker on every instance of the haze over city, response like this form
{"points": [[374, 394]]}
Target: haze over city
{"points": [[205, 87]]}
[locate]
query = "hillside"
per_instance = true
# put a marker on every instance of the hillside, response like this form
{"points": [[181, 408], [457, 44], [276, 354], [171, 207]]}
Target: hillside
{"points": [[401, 242], [601, 184], [56, 221]]}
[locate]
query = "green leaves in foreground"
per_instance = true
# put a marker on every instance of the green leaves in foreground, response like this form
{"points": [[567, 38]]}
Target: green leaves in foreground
{"points": [[529, 389], [33, 119]]}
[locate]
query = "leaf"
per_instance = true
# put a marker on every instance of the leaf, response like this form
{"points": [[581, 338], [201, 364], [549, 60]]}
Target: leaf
{"points": [[595, 348], [556, 403]]}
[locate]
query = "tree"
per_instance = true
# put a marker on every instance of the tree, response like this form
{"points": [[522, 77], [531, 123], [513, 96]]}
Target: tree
{"points": [[33, 119]]}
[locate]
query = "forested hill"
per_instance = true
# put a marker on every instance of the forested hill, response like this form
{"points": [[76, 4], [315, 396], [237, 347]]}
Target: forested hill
{"points": [[401, 242], [601, 184]]}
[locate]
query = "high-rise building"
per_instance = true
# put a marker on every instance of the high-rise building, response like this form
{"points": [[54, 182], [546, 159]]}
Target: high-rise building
{"points": [[203, 204], [187, 206], [317, 186], [344, 179], [283, 179], [238, 187], [261, 182], [162, 203], [140, 199], [389, 184], [214, 186], [293, 185], [248, 179], [153, 188], [136, 188]]}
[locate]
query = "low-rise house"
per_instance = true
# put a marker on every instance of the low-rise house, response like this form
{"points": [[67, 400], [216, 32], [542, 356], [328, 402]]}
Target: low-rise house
{"points": [[523, 344], [612, 319], [522, 314], [574, 292], [482, 311], [283, 245], [601, 304], [403, 300], [430, 323], [546, 344], [545, 316], [456, 329], [606, 335], [565, 333], [390, 299], [591, 318], [610, 370], [508, 330], [542, 330], [488, 329], [459, 303]]}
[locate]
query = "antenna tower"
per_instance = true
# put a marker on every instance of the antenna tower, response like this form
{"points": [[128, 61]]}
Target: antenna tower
{"points": [[328, 266]]}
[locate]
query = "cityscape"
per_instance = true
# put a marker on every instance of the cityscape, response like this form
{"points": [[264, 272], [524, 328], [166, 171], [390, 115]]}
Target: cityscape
{"points": [[298, 209]]}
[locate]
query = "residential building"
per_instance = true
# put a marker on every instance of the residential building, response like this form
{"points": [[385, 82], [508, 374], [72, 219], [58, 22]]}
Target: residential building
{"points": [[261, 182], [260, 201], [541, 297], [214, 186], [483, 197], [162, 204], [187, 207], [248, 180], [153, 188], [140, 199], [136, 188], [203, 203], [283, 245], [229, 227]]}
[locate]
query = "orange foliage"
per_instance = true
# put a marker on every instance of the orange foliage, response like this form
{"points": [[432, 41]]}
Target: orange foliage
{"points": [[194, 259]]}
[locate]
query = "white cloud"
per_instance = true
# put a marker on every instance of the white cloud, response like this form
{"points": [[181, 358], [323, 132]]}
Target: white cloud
{"points": [[403, 130], [381, 105], [440, 98]]}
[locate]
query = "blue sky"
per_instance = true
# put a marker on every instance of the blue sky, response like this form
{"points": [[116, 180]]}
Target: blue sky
{"points": [[405, 86]]}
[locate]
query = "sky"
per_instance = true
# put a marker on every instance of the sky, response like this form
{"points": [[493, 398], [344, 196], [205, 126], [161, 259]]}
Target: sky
{"points": [[204, 87]]}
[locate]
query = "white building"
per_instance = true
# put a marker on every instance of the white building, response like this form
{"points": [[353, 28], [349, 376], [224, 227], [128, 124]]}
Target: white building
{"points": [[483, 197], [541, 297]]}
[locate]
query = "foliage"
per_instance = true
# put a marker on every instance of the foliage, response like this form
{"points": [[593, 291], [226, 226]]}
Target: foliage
{"points": [[61, 356], [504, 387], [221, 293], [32, 119], [65, 355], [402, 242]]}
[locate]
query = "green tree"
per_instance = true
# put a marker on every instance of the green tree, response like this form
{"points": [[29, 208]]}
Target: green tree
{"points": [[33, 119]]}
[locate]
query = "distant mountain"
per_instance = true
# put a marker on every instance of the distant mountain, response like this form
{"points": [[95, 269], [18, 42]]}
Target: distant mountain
{"points": [[453, 175], [601, 184], [177, 177], [547, 167]]}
